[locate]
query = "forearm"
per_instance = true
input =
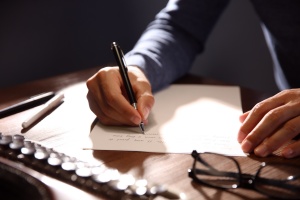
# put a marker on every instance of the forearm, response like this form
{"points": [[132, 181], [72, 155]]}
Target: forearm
{"points": [[171, 42], [164, 55]]}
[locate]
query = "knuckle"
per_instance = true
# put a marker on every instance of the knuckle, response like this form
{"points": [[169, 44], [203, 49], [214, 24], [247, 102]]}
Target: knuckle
{"points": [[258, 109], [90, 83], [142, 85], [289, 94], [101, 75], [284, 92], [274, 115]]}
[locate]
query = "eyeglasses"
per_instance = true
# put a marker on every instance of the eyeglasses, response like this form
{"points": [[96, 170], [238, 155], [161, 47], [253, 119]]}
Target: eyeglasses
{"points": [[276, 180]]}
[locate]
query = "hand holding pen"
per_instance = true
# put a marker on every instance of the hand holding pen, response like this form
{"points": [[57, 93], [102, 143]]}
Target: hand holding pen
{"points": [[108, 98], [118, 53]]}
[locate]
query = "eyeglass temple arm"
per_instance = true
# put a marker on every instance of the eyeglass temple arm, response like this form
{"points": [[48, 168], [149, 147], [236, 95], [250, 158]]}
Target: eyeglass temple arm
{"points": [[246, 177], [279, 183]]}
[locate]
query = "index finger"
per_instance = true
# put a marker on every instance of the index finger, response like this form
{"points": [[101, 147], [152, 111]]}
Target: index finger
{"points": [[255, 116]]}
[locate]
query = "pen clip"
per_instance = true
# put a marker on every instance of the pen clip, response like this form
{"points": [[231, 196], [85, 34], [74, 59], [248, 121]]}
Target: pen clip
{"points": [[119, 55]]}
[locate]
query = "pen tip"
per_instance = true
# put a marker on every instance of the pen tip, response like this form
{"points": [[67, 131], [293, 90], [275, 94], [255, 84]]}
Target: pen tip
{"points": [[142, 127]]}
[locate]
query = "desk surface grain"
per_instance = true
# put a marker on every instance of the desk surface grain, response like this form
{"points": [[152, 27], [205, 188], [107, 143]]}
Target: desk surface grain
{"points": [[69, 125]]}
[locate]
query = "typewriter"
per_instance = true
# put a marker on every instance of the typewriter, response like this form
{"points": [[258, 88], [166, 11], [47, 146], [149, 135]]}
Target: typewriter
{"points": [[26, 167]]}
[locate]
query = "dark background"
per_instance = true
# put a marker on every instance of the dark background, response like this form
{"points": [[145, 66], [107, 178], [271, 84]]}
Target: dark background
{"points": [[44, 38]]}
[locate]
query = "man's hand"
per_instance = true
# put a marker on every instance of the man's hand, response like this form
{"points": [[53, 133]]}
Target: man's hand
{"points": [[108, 99], [271, 123]]}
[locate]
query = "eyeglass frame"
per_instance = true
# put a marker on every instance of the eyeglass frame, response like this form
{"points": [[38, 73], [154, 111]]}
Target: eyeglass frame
{"points": [[246, 181]]}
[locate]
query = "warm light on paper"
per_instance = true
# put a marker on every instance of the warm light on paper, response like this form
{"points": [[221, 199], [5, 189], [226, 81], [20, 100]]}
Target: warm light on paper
{"points": [[184, 118]]}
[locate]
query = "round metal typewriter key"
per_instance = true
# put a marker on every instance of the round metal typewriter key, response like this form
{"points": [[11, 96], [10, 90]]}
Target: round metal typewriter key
{"points": [[114, 174], [156, 189], [68, 159], [80, 164], [127, 178], [28, 143], [54, 159], [123, 182], [41, 154], [117, 185], [106, 176], [27, 151], [28, 148], [101, 178], [140, 187], [68, 166], [5, 140], [54, 155], [97, 170], [49, 150], [84, 172], [18, 137], [17, 142]]}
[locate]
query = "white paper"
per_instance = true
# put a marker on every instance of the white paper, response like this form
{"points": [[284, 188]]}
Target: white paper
{"points": [[184, 118]]}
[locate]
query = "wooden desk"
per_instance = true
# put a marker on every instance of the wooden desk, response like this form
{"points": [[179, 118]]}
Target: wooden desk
{"points": [[69, 125]]}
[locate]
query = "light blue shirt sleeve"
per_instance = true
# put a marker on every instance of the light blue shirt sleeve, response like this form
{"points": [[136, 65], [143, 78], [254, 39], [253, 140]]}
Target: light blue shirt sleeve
{"points": [[169, 45]]}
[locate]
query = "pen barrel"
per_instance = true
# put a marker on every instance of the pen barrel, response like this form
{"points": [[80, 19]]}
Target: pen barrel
{"points": [[118, 53], [128, 88], [27, 104]]}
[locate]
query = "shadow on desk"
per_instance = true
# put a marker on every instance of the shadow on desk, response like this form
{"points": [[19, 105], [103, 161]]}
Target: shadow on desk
{"points": [[234, 193], [134, 166]]}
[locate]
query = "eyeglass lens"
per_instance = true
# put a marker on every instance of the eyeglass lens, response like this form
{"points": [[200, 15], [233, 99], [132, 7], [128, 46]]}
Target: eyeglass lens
{"points": [[217, 170]]}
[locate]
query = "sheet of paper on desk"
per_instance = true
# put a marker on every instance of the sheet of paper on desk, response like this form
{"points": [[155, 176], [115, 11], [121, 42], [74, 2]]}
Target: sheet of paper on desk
{"points": [[184, 118]]}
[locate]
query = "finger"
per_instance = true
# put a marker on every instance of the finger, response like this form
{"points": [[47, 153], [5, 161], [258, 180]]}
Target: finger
{"points": [[287, 108], [106, 120], [241, 135], [92, 104], [142, 90], [289, 98], [107, 100], [260, 121], [244, 116], [286, 133], [145, 99], [114, 105], [94, 96], [120, 109], [267, 125], [256, 115], [292, 150]]}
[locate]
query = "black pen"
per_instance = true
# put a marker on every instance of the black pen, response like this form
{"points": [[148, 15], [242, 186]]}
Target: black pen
{"points": [[27, 104], [123, 71]]}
